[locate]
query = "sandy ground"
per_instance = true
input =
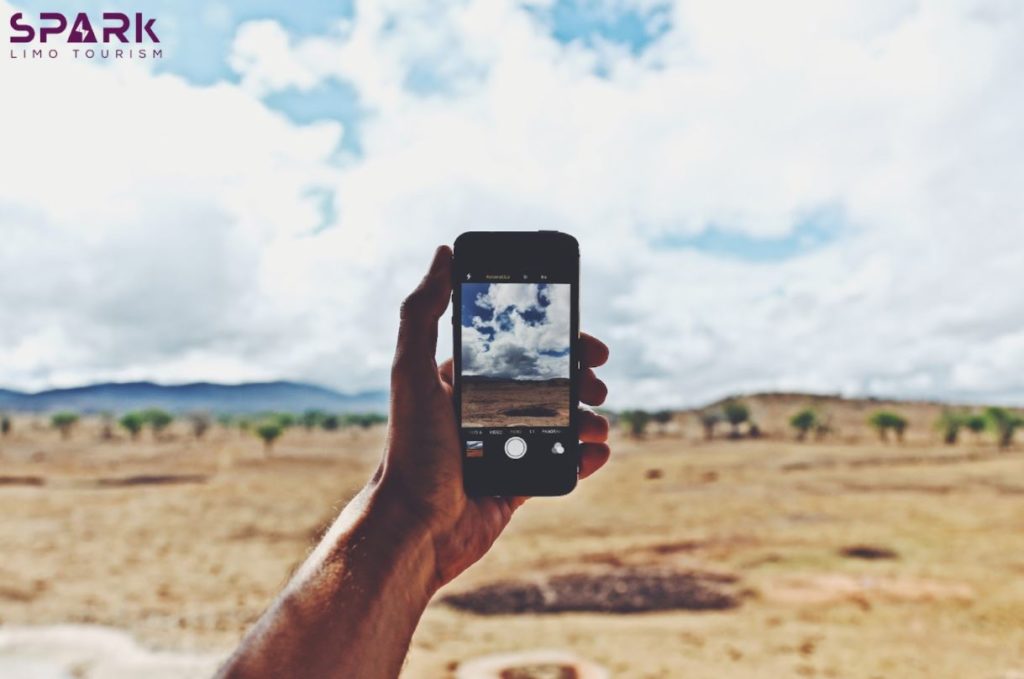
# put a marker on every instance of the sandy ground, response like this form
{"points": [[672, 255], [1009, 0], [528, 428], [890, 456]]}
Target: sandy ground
{"points": [[511, 403], [180, 544]]}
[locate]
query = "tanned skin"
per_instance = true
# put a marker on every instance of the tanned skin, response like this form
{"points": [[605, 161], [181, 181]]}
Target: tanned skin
{"points": [[351, 608]]}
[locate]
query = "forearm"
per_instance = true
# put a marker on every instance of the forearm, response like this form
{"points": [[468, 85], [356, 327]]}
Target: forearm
{"points": [[351, 608]]}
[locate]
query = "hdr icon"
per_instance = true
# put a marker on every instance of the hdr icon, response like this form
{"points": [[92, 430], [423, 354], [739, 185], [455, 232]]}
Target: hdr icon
{"points": [[113, 26]]}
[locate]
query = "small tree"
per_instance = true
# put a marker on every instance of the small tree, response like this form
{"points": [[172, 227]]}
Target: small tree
{"points": [[283, 420], [64, 422], [269, 432], [330, 422], [803, 422], [976, 423], [5, 425], [311, 419], [884, 420], [133, 423], [200, 424], [662, 418], [736, 413], [1004, 423], [709, 419], [362, 420], [158, 420], [636, 421], [949, 424]]}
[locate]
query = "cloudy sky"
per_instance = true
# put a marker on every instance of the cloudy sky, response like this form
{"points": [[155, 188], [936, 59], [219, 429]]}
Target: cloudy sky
{"points": [[516, 330], [785, 195]]}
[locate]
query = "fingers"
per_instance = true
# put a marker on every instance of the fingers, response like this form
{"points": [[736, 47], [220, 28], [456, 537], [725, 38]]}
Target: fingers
{"points": [[592, 457], [447, 372], [592, 390], [593, 427], [417, 332], [593, 352]]}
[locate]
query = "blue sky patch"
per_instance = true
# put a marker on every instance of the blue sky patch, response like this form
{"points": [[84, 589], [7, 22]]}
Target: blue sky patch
{"points": [[587, 21], [819, 229]]}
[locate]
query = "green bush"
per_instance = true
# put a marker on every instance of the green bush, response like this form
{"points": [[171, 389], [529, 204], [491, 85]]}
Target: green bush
{"points": [[884, 420], [949, 424], [157, 419], [269, 432], [636, 421], [312, 419], [736, 413], [64, 422], [709, 419], [1003, 423], [133, 422], [803, 422]]}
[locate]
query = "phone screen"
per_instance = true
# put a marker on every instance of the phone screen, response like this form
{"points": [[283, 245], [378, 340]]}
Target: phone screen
{"points": [[516, 341], [516, 366]]}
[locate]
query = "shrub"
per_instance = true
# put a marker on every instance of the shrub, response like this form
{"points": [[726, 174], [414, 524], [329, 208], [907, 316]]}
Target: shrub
{"points": [[976, 423], [736, 413], [133, 422], [709, 419], [884, 420], [662, 418], [200, 424], [803, 422], [158, 420], [5, 425], [330, 423], [949, 424], [636, 421], [312, 419], [64, 422], [269, 432], [1004, 423]]}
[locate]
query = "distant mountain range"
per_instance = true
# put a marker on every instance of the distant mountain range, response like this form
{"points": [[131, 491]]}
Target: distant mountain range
{"points": [[199, 396]]}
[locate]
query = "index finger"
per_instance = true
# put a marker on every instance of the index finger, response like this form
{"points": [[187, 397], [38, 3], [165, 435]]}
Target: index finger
{"points": [[593, 352]]}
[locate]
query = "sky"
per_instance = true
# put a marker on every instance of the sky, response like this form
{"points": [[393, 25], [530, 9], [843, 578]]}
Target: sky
{"points": [[518, 331], [768, 196]]}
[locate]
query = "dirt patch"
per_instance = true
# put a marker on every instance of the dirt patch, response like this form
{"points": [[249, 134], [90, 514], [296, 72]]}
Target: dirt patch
{"points": [[869, 552], [22, 481], [532, 411], [630, 590], [150, 480]]}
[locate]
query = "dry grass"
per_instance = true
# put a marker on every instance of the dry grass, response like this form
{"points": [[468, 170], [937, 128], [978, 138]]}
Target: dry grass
{"points": [[183, 543]]}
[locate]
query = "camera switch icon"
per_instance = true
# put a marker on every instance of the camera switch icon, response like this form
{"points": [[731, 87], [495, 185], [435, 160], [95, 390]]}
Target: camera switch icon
{"points": [[558, 448]]}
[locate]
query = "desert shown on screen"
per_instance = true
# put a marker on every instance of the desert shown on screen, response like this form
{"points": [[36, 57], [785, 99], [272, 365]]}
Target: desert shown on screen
{"points": [[515, 354]]}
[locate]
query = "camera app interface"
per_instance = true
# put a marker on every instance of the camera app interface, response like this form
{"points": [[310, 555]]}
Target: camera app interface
{"points": [[515, 367]]}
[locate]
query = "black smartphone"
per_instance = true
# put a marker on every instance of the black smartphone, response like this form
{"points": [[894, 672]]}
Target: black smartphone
{"points": [[516, 320]]}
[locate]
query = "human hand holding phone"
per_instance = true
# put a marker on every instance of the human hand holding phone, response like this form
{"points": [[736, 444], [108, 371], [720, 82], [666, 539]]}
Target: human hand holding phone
{"points": [[422, 468]]}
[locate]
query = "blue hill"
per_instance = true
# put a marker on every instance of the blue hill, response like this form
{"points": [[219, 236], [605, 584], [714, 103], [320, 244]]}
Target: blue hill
{"points": [[198, 396]]}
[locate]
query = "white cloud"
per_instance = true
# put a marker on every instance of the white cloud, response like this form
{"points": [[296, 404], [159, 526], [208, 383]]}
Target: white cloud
{"points": [[161, 220], [526, 334]]}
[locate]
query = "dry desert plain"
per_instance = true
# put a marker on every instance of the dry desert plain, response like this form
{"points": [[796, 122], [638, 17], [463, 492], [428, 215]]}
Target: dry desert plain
{"points": [[182, 543]]}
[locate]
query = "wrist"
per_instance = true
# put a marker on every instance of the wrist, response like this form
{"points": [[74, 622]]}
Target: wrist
{"points": [[399, 541]]}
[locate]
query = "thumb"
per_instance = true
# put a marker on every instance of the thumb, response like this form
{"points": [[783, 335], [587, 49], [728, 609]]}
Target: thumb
{"points": [[421, 310]]}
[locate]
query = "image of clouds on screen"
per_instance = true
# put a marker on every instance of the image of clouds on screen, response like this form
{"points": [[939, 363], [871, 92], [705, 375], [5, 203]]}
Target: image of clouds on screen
{"points": [[515, 330]]}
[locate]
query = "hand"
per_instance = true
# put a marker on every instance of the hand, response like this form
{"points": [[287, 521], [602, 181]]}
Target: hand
{"points": [[422, 465]]}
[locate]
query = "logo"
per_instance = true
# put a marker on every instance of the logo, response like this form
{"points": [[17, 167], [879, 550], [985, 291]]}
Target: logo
{"points": [[114, 35]]}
